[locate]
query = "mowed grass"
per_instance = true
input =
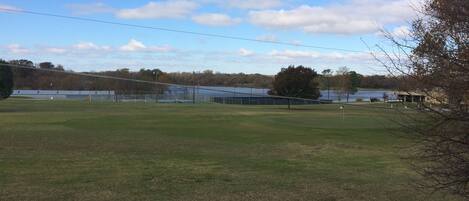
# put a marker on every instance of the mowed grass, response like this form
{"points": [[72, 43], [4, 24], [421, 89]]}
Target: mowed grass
{"points": [[52, 150]]}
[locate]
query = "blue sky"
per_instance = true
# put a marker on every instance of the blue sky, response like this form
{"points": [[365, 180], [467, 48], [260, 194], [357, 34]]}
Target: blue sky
{"points": [[87, 46]]}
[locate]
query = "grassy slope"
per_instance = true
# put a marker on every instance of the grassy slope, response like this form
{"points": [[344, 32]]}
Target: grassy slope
{"points": [[78, 151]]}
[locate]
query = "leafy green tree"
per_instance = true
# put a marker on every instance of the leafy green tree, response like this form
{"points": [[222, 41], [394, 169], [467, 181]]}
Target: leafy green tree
{"points": [[355, 80], [296, 82], [6, 80]]}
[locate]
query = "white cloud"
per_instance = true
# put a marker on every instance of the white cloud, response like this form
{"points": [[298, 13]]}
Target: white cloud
{"points": [[401, 32], [252, 4], [215, 19], [133, 46], [90, 46], [296, 42], [56, 50], [85, 46], [163, 48], [292, 54], [160, 9], [268, 37], [352, 17], [137, 46], [17, 49], [89, 49], [307, 55], [245, 52], [8, 7], [91, 8]]}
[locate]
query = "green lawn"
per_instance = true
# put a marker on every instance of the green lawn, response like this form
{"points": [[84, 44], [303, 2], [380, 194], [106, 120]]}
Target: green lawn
{"points": [[103, 151]]}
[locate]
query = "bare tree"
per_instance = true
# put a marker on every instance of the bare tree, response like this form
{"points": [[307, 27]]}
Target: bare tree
{"points": [[348, 82], [434, 59], [342, 80]]}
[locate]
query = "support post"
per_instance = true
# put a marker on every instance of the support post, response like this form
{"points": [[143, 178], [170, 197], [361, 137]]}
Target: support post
{"points": [[193, 95]]}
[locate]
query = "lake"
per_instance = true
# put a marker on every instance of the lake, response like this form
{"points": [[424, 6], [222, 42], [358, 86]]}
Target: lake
{"points": [[202, 92], [364, 94]]}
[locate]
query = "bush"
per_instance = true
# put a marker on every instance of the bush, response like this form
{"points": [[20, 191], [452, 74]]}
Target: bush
{"points": [[374, 100]]}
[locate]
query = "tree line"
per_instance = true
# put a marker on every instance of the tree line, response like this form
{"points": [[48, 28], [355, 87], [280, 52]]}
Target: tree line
{"points": [[48, 76], [37, 79]]}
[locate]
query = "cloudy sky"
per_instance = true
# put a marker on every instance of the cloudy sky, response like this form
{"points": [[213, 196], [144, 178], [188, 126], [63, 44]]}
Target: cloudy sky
{"points": [[88, 46]]}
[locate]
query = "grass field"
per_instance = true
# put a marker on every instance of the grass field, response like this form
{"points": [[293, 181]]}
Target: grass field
{"points": [[79, 151]]}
